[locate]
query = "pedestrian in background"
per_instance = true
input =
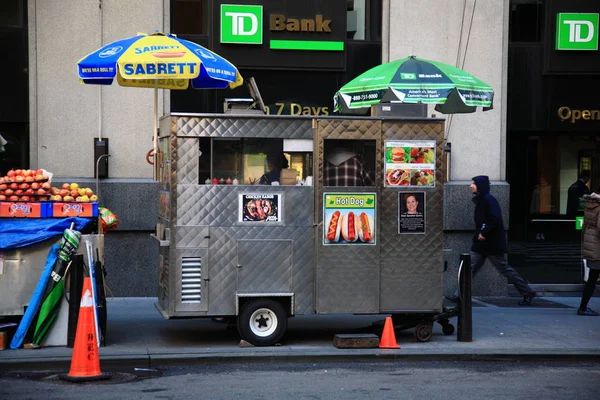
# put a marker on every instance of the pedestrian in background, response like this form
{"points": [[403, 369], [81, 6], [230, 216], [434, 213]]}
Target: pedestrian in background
{"points": [[591, 250], [489, 241], [576, 192]]}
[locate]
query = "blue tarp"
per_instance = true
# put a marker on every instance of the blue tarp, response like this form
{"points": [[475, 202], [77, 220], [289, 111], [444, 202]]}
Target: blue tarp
{"points": [[22, 232]]}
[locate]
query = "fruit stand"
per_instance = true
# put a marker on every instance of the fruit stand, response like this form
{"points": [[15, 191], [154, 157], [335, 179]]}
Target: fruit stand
{"points": [[33, 217]]}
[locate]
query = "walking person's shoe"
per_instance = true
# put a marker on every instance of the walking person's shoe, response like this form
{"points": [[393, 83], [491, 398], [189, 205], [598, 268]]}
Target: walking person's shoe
{"points": [[588, 311], [452, 299], [527, 299]]}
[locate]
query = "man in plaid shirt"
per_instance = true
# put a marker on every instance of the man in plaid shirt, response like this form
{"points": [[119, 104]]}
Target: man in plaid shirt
{"points": [[343, 168]]}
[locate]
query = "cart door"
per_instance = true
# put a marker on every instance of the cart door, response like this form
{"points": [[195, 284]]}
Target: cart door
{"points": [[347, 270]]}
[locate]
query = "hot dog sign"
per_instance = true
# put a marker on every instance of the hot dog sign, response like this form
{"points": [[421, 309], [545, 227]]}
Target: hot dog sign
{"points": [[349, 218]]}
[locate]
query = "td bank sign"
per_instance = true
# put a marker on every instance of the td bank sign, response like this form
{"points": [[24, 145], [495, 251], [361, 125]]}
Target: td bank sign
{"points": [[243, 24], [576, 31]]}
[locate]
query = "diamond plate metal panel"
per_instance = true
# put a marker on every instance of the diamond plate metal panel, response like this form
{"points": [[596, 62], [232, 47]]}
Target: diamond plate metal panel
{"points": [[412, 265], [188, 157], [223, 259], [218, 205], [191, 237], [265, 266], [347, 276], [248, 127]]}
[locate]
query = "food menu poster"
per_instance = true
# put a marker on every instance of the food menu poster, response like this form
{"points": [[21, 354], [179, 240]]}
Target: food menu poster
{"points": [[260, 208], [409, 163], [349, 218], [411, 212]]}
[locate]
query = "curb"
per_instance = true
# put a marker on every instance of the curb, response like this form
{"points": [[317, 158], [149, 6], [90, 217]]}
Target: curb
{"points": [[157, 361]]}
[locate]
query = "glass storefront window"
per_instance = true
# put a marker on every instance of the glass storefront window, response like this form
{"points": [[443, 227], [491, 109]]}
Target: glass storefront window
{"points": [[190, 17], [526, 20], [363, 20], [545, 245]]}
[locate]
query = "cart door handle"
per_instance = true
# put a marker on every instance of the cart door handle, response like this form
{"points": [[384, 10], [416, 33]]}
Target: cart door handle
{"points": [[239, 266], [207, 237]]}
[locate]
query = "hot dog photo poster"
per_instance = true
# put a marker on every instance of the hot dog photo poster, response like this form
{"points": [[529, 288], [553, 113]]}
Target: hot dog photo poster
{"points": [[349, 218], [409, 163], [260, 208]]}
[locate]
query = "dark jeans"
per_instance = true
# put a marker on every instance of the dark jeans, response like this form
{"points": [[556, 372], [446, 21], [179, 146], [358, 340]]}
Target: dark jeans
{"points": [[588, 289], [500, 261]]}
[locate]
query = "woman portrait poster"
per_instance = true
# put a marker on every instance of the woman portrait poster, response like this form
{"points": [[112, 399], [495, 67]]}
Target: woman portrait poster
{"points": [[411, 212]]}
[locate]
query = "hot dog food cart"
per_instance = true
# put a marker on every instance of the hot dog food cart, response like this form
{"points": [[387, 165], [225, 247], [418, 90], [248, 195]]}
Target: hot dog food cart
{"points": [[230, 247]]}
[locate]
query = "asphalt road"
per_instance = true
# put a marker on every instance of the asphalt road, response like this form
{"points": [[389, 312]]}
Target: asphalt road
{"points": [[327, 381]]}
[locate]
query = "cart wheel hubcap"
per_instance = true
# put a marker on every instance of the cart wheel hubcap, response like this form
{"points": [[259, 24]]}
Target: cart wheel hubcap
{"points": [[263, 322]]}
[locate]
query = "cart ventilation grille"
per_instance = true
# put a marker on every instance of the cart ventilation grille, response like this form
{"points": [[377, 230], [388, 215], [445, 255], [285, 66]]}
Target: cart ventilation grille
{"points": [[191, 279]]}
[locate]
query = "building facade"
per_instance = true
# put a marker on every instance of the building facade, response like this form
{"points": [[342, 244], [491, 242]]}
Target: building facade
{"points": [[52, 121]]}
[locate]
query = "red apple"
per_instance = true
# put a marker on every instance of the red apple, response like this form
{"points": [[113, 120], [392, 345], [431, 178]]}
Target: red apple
{"points": [[63, 192], [3, 186], [19, 192], [38, 172], [25, 198], [26, 172], [18, 171], [14, 185], [46, 185], [29, 191], [41, 191], [24, 186], [39, 177], [10, 173], [13, 198], [9, 192], [2, 197], [1, 180], [66, 186], [29, 178], [19, 178], [75, 193], [35, 185]]}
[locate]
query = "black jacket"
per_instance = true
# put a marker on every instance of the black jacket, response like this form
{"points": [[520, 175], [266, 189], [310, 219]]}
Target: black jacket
{"points": [[488, 220], [575, 192]]}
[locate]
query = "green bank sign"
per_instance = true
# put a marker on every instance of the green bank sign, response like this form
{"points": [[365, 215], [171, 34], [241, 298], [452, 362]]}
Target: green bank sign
{"points": [[577, 31], [243, 24]]}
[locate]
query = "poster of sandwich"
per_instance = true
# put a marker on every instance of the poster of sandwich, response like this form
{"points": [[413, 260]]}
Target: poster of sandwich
{"points": [[409, 163], [349, 218]]}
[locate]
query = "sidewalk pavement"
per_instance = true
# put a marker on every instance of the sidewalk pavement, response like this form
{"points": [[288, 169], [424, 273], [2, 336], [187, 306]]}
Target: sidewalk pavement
{"points": [[138, 336]]}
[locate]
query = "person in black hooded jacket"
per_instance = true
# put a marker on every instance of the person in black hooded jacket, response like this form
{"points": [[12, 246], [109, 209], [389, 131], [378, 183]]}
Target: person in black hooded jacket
{"points": [[489, 240]]}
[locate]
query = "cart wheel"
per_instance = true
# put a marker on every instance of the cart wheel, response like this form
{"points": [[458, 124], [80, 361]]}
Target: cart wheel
{"points": [[423, 332], [447, 329], [262, 322]]}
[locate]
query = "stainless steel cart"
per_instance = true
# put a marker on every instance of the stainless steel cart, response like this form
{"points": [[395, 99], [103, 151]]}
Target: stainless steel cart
{"points": [[212, 263]]}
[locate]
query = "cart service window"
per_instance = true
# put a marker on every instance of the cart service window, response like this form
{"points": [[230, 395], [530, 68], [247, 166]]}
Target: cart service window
{"points": [[253, 161], [349, 162]]}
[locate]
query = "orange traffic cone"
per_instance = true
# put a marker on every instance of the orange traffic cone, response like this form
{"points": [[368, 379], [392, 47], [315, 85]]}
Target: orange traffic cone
{"points": [[85, 362], [388, 338]]}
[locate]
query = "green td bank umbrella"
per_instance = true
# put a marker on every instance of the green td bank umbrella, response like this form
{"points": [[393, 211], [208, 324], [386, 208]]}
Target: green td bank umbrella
{"points": [[414, 80]]}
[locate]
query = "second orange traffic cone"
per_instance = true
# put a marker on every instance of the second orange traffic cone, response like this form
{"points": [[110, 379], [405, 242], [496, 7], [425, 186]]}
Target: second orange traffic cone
{"points": [[388, 337], [85, 362]]}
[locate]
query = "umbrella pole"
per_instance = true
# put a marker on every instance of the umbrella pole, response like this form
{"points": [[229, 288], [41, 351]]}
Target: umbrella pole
{"points": [[155, 166]]}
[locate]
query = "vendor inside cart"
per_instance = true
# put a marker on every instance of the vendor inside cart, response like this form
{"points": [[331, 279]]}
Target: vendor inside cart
{"points": [[253, 161], [276, 161], [348, 163]]}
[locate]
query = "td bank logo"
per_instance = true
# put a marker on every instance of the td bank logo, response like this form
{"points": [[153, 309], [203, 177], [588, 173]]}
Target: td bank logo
{"points": [[576, 31], [241, 24]]}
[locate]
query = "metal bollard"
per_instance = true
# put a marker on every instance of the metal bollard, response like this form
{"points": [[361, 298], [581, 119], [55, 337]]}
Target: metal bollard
{"points": [[465, 311]]}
